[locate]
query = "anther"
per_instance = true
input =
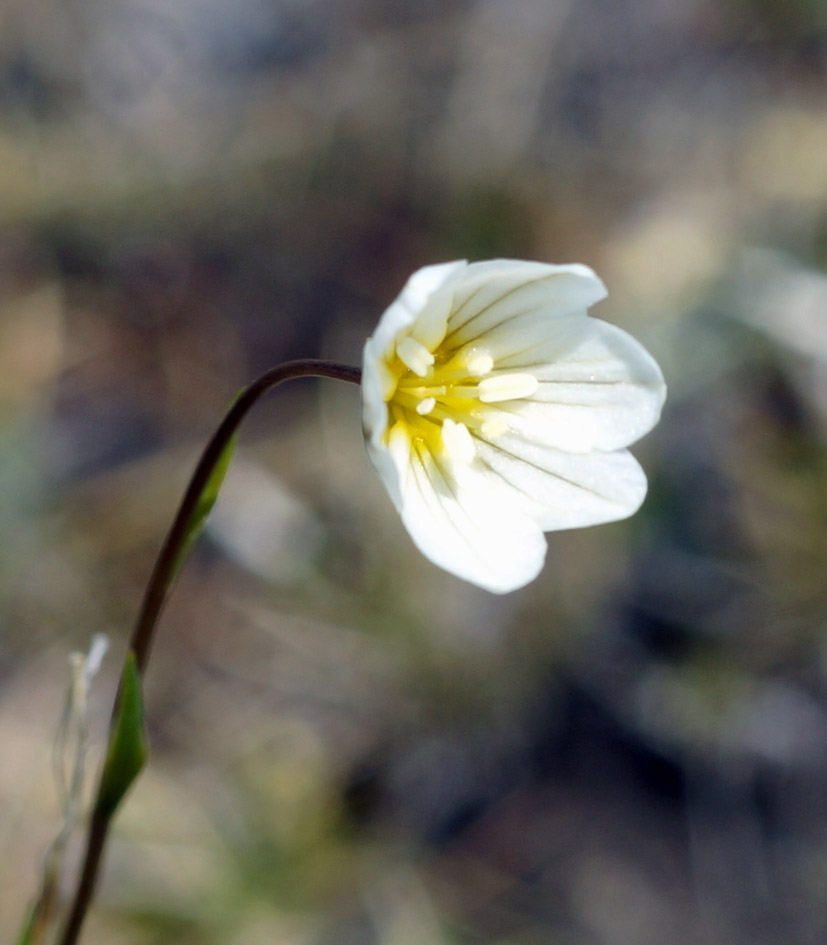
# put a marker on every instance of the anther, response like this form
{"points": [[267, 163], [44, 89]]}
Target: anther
{"points": [[414, 355], [507, 387]]}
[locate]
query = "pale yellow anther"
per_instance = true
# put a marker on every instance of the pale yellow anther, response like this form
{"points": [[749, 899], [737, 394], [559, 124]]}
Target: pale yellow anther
{"points": [[457, 442], [507, 387], [493, 427], [414, 355], [479, 363], [424, 407]]}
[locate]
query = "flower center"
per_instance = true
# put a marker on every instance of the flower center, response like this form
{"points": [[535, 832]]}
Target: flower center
{"points": [[439, 400]]}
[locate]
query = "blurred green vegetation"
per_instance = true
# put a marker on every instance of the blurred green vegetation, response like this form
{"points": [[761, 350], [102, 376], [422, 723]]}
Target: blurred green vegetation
{"points": [[349, 746]]}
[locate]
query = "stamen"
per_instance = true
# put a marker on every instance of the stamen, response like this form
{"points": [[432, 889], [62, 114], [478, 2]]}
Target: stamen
{"points": [[463, 391], [424, 407], [507, 387], [479, 363], [467, 362], [416, 388], [457, 442], [414, 355], [493, 427]]}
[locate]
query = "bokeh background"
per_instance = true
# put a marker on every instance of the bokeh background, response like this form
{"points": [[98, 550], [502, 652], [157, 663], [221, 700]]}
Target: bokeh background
{"points": [[349, 746]]}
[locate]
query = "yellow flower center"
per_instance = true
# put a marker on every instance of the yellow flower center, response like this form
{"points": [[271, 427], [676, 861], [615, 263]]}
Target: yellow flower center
{"points": [[439, 399]]}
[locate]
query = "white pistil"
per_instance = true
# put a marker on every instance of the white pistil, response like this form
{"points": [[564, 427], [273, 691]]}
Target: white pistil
{"points": [[500, 387], [414, 355]]}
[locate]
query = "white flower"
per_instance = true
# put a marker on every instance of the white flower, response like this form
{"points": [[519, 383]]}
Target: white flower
{"points": [[495, 409]]}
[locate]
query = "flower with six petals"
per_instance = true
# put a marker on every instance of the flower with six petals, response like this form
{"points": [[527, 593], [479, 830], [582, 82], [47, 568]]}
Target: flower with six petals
{"points": [[495, 409]]}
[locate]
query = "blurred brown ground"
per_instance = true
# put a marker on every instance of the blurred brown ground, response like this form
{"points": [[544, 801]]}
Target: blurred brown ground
{"points": [[350, 747]]}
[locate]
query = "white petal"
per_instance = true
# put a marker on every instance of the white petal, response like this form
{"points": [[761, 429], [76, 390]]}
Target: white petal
{"points": [[455, 525], [563, 490], [599, 388], [492, 295], [425, 281], [374, 392], [536, 339], [386, 466], [421, 301]]}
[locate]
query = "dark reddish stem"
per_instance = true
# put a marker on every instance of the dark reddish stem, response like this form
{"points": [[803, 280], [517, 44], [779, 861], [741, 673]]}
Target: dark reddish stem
{"points": [[161, 579]]}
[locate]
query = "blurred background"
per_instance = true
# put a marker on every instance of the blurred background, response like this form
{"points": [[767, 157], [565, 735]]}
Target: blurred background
{"points": [[350, 747]]}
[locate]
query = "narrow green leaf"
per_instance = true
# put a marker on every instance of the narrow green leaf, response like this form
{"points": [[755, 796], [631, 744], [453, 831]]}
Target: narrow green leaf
{"points": [[40, 917], [128, 747], [206, 501], [27, 932]]}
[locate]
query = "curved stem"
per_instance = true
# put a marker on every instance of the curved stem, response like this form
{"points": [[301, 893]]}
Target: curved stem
{"points": [[161, 580]]}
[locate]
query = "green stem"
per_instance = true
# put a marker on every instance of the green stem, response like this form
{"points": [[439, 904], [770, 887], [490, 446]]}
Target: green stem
{"points": [[160, 583]]}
